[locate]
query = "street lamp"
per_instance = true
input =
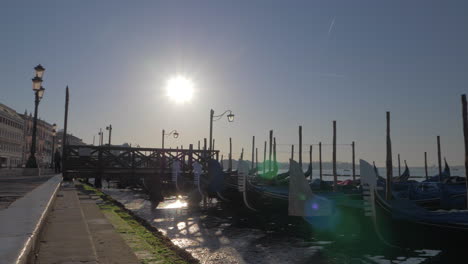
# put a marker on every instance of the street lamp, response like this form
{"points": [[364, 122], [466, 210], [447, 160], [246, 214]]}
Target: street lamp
{"points": [[54, 133], [38, 93], [230, 118], [110, 133], [174, 133]]}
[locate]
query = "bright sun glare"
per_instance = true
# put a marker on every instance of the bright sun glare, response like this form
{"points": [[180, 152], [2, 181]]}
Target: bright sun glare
{"points": [[179, 89]]}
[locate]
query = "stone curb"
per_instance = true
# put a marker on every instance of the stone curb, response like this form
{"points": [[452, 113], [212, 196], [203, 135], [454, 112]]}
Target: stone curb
{"points": [[23, 220]]}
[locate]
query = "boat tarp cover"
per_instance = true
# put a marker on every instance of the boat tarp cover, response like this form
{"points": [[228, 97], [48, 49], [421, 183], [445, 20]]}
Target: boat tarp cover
{"points": [[302, 201], [216, 176]]}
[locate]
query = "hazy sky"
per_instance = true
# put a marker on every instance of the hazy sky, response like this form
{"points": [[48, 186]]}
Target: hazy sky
{"points": [[276, 64]]}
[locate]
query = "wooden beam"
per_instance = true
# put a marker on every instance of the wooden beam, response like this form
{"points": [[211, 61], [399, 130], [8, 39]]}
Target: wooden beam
{"points": [[264, 157], [354, 162], [335, 177], [320, 160], [425, 165], [465, 135], [389, 161], [230, 154], [439, 158], [270, 152], [399, 165], [300, 146], [253, 151], [310, 162], [256, 158]]}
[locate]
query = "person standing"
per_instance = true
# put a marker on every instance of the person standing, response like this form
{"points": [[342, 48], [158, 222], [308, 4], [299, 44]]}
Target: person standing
{"points": [[58, 161]]}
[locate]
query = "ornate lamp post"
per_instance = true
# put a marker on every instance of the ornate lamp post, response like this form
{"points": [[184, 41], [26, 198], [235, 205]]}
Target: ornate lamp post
{"points": [[230, 118], [110, 133], [54, 133], [39, 93], [174, 133]]}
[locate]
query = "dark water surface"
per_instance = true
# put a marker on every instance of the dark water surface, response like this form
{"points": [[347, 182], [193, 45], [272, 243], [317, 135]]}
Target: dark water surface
{"points": [[218, 233]]}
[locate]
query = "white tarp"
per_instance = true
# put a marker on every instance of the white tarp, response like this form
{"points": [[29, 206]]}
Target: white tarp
{"points": [[302, 201]]}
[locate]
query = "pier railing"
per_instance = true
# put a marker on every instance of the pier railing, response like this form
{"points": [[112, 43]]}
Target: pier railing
{"points": [[116, 161]]}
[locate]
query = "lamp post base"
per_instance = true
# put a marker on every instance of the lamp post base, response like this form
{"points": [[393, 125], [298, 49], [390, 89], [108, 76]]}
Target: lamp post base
{"points": [[31, 163]]}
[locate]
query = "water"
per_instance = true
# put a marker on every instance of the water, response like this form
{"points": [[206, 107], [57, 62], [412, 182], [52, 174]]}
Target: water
{"points": [[219, 233]]}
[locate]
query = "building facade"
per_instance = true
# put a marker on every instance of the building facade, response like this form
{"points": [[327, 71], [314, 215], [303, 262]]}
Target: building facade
{"points": [[44, 140], [11, 137], [71, 140]]}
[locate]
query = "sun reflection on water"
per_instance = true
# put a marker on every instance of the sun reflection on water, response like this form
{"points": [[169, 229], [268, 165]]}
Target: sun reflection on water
{"points": [[175, 205]]}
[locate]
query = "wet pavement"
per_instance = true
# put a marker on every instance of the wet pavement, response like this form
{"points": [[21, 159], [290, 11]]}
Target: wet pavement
{"points": [[15, 187], [215, 234]]}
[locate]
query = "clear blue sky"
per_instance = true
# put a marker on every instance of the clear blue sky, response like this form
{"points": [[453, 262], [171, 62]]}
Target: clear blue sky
{"points": [[276, 64]]}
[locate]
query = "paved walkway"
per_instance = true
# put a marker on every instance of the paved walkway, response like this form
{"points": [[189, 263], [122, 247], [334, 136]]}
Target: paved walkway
{"points": [[76, 231], [15, 187]]}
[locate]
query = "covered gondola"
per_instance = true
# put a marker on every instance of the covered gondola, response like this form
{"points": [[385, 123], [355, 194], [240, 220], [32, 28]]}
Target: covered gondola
{"points": [[404, 223]]}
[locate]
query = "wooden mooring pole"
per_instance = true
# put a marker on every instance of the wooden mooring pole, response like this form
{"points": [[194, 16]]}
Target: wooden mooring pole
{"points": [[389, 161], [253, 152], [270, 152], [354, 162], [399, 165], [335, 177], [292, 152], [320, 160], [300, 147], [425, 165], [256, 158], [230, 155], [439, 158], [310, 162], [64, 139], [264, 157], [465, 135], [274, 151]]}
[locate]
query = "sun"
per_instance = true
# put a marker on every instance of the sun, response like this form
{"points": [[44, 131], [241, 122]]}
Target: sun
{"points": [[179, 89]]}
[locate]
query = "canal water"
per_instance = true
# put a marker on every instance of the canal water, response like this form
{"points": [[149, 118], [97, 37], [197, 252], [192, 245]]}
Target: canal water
{"points": [[216, 233]]}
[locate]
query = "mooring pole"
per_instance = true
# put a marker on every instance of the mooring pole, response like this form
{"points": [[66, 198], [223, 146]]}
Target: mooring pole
{"points": [[310, 162], [320, 160], [190, 157], [465, 135], [205, 160], [198, 144], [335, 177], [399, 166], [292, 152], [425, 165], [242, 154], [389, 161], [211, 129], [269, 154], [274, 151], [300, 147], [230, 154], [264, 157], [256, 158], [253, 151], [354, 162], [64, 139], [213, 146], [439, 158]]}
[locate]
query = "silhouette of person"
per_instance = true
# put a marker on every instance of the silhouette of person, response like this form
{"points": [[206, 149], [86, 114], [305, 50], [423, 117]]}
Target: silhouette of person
{"points": [[57, 160]]}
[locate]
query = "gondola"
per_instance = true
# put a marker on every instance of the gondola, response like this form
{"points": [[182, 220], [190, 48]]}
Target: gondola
{"points": [[403, 223], [431, 193]]}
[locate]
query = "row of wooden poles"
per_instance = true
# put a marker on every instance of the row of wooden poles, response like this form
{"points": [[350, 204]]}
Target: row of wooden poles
{"points": [[272, 152], [389, 161]]}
